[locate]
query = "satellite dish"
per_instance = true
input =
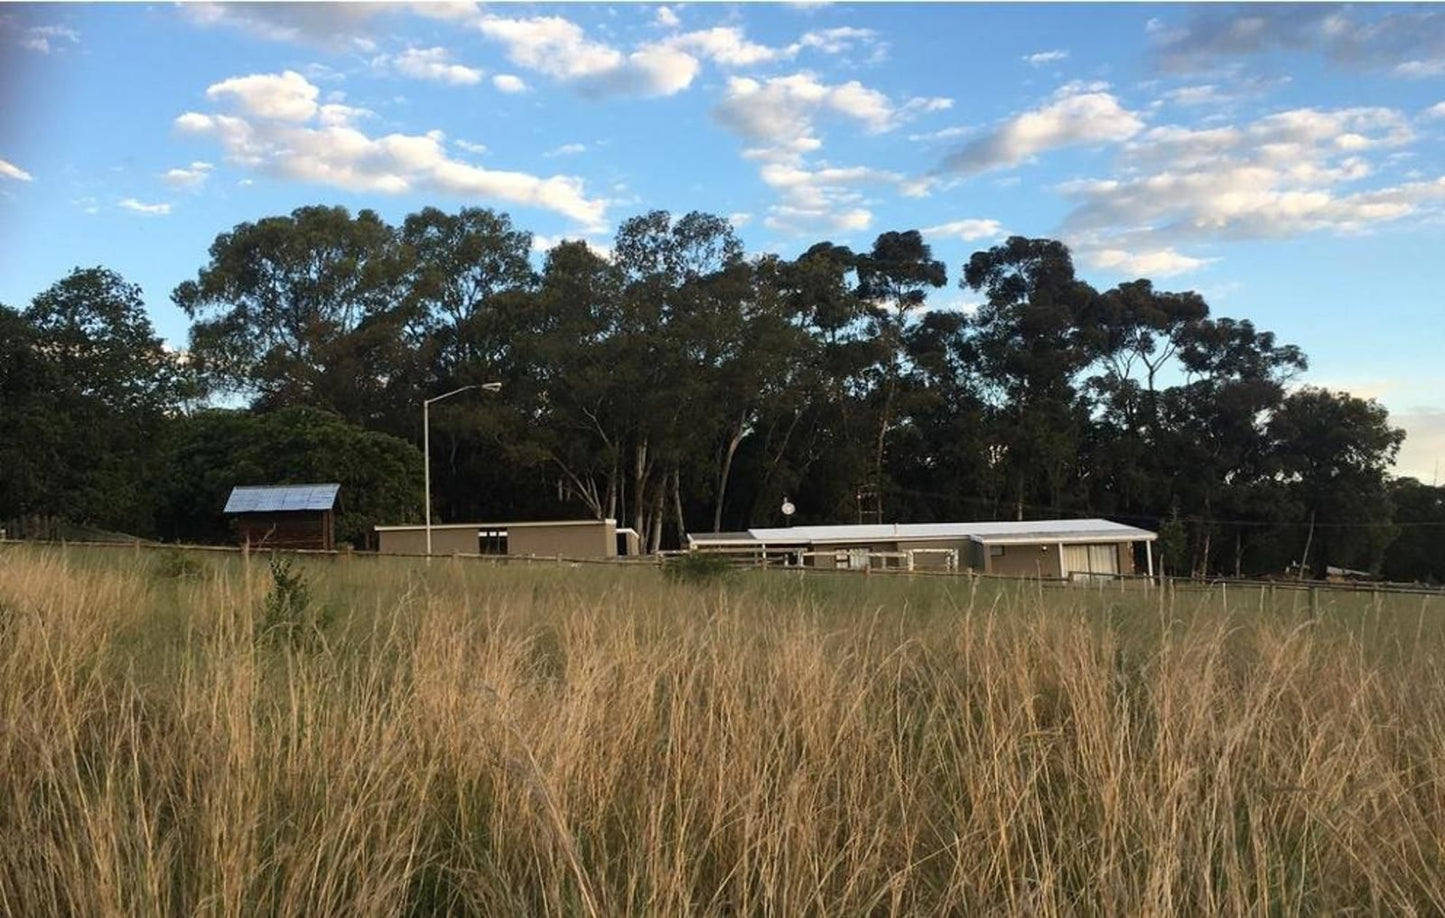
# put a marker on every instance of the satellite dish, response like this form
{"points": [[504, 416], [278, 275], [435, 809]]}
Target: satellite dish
{"points": [[788, 508]]}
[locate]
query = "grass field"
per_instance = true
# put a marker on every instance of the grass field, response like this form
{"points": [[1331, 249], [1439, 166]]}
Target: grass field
{"points": [[178, 737]]}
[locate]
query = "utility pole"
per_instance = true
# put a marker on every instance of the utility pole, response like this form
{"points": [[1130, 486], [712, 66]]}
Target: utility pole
{"points": [[426, 446]]}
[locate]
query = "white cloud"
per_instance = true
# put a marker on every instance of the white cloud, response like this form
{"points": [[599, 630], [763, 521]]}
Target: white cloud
{"points": [[1422, 452], [1039, 58], [968, 229], [777, 118], [740, 219], [287, 96], [1207, 94], [335, 114], [1350, 37], [822, 199], [332, 25], [433, 64], [1156, 263], [1435, 111], [45, 39], [447, 10], [542, 244], [1420, 69], [271, 138], [839, 40], [560, 49], [728, 46], [567, 149], [800, 221], [1285, 174], [666, 18], [1075, 116], [149, 210], [778, 114], [476, 149], [509, 83], [11, 171], [192, 176], [948, 133]]}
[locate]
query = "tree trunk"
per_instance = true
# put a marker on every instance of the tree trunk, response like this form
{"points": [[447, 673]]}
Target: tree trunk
{"points": [[878, 450], [677, 506], [722, 478], [655, 520], [639, 487]]}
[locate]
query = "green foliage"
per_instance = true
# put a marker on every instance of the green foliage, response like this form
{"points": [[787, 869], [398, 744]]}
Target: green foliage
{"points": [[87, 393], [698, 568], [380, 475], [1172, 546], [680, 385], [289, 616], [178, 565]]}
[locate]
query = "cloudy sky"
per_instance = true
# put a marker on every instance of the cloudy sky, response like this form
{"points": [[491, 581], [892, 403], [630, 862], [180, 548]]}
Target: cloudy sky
{"points": [[1286, 161]]}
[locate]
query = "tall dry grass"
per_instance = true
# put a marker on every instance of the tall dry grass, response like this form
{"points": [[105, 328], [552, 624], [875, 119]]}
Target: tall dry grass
{"points": [[508, 741]]}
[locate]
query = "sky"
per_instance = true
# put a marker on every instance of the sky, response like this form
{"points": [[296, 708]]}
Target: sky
{"points": [[1284, 161]]}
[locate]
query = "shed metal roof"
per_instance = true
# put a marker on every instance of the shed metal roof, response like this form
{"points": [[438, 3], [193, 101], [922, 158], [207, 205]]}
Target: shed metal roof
{"points": [[991, 532], [280, 498]]}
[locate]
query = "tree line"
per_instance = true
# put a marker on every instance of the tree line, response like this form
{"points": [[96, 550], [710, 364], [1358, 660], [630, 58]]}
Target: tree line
{"points": [[678, 385]]}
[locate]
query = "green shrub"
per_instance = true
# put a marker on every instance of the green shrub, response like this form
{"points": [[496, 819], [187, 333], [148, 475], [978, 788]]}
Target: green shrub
{"points": [[697, 567], [288, 615], [178, 565]]}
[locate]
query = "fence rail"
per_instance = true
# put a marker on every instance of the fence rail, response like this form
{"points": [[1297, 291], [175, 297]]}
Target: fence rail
{"points": [[780, 564]]}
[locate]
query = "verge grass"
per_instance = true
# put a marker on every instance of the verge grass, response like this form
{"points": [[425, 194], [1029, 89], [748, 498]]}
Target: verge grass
{"points": [[474, 739]]}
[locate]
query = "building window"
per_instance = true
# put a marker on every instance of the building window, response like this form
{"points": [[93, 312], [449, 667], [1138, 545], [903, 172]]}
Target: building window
{"points": [[995, 551], [492, 541]]}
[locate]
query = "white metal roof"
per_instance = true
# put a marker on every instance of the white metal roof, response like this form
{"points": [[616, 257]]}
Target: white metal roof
{"points": [[991, 532]]}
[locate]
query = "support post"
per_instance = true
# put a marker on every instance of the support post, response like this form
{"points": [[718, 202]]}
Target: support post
{"points": [[426, 460]]}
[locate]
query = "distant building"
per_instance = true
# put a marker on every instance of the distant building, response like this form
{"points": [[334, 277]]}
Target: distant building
{"points": [[1035, 548], [284, 516], [565, 538]]}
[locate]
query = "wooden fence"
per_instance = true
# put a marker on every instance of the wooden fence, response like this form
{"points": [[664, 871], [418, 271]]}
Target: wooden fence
{"points": [[755, 561]]}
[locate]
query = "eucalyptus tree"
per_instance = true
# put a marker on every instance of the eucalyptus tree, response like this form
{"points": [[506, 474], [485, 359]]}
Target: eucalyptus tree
{"points": [[1032, 336], [303, 309], [90, 392], [893, 280]]}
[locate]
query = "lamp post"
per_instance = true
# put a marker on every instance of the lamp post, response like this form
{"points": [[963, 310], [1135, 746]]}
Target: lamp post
{"points": [[426, 444]]}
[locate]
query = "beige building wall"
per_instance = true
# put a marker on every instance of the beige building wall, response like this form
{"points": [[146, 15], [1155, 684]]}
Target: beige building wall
{"points": [[590, 539], [448, 541], [581, 539], [1036, 560], [1126, 558]]}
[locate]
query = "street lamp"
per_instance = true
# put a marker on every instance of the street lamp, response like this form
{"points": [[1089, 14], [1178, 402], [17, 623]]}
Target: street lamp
{"points": [[426, 444]]}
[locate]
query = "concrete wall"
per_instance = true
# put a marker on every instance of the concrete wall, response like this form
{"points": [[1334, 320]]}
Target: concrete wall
{"points": [[462, 541], [1024, 560], [583, 539], [592, 539]]}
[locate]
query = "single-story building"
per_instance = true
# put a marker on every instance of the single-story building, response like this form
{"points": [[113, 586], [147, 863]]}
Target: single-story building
{"points": [[1032, 548], [565, 538], [284, 516]]}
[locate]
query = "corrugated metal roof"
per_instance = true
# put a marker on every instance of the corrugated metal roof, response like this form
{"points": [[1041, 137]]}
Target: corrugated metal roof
{"points": [[991, 531], [277, 498]]}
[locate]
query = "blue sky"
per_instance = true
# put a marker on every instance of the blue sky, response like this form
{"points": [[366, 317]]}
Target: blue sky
{"points": [[1285, 161]]}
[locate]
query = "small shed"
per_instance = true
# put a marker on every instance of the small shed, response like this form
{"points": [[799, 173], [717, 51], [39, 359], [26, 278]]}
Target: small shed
{"points": [[284, 516]]}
